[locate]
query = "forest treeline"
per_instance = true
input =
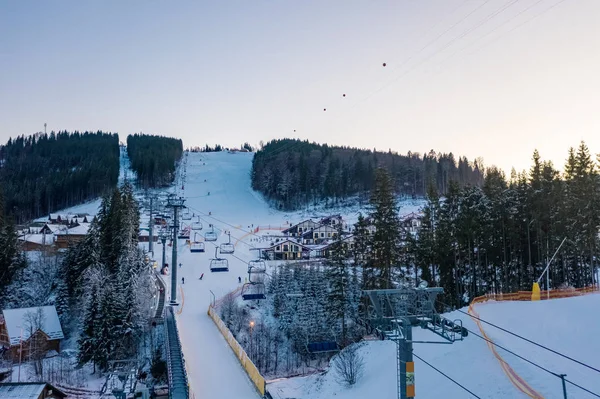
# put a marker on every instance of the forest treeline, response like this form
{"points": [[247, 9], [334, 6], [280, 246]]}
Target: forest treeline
{"points": [[293, 173], [499, 237], [154, 158], [43, 173]]}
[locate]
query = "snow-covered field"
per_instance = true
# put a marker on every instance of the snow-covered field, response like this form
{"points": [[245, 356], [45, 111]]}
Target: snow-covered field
{"points": [[569, 326]]}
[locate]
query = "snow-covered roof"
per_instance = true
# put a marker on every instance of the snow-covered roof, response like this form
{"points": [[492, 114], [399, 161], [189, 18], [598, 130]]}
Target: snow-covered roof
{"points": [[38, 238], [21, 391], [17, 318], [82, 229]]}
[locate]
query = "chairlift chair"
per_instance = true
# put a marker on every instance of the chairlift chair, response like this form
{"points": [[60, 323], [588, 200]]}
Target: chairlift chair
{"points": [[197, 246], [219, 264], [257, 266], [253, 292], [197, 225], [210, 235], [184, 233], [186, 215], [227, 248]]}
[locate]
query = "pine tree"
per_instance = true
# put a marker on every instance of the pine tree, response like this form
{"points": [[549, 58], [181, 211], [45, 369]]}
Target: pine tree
{"points": [[339, 287], [385, 241], [89, 344]]}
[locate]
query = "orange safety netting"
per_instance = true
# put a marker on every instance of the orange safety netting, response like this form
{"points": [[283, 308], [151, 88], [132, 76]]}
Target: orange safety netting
{"points": [[512, 375]]}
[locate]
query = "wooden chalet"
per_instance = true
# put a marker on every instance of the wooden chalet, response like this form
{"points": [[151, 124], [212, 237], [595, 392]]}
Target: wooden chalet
{"points": [[71, 236], [319, 234], [286, 249], [30, 390], [298, 229], [18, 331]]}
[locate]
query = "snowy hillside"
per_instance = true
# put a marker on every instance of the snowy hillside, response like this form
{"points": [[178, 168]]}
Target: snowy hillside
{"points": [[565, 325]]}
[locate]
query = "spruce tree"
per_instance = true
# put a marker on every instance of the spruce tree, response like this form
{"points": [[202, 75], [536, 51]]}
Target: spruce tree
{"points": [[386, 239], [339, 293]]}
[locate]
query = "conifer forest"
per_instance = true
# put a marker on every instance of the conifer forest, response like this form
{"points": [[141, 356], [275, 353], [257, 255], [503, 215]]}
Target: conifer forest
{"points": [[154, 158], [43, 173], [293, 173]]}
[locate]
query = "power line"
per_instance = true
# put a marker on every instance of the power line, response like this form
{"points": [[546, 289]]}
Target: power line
{"points": [[448, 44], [503, 24], [445, 375], [518, 26], [420, 51], [531, 362], [528, 340]]}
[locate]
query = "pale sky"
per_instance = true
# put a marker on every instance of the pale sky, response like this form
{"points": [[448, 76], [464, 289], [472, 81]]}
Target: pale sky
{"points": [[493, 78]]}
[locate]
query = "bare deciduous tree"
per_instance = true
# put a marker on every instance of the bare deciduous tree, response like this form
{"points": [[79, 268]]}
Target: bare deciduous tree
{"points": [[34, 322], [349, 365]]}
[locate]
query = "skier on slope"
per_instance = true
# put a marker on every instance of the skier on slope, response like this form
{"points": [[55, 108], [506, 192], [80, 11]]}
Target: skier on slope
{"points": [[183, 280], [239, 280], [202, 275]]}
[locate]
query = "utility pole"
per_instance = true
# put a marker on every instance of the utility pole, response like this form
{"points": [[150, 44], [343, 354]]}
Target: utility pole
{"points": [[163, 238], [175, 203], [151, 227]]}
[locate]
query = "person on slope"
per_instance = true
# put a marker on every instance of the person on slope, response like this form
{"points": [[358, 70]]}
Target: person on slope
{"points": [[239, 280], [183, 280], [202, 275]]}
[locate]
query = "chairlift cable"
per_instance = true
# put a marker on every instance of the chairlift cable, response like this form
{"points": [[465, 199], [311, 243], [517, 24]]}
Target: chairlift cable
{"points": [[525, 339]]}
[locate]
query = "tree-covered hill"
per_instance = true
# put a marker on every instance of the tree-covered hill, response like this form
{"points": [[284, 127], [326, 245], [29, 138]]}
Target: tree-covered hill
{"points": [[154, 158], [46, 172], [293, 172]]}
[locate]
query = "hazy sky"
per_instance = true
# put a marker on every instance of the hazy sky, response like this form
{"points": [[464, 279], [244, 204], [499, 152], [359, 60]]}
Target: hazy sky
{"points": [[493, 78]]}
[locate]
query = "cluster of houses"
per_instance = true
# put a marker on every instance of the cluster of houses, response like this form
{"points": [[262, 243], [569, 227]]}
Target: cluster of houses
{"points": [[314, 239], [57, 232]]}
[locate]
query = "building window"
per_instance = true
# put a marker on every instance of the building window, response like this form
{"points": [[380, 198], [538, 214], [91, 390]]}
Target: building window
{"points": [[328, 234], [316, 235], [277, 248], [295, 248], [285, 248], [322, 235]]}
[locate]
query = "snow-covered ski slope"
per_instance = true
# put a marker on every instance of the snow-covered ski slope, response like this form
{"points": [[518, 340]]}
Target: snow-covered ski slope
{"points": [[233, 206]]}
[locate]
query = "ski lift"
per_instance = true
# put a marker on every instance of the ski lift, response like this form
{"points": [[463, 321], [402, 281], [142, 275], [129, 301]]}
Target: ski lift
{"points": [[257, 266], [196, 225], [210, 235], [184, 234], [253, 292], [186, 215], [219, 264], [227, 248], [197, 246]]}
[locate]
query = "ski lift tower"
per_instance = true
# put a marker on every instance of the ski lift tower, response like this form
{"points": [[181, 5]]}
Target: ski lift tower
{"points": [[393, 312], [175, 203]]}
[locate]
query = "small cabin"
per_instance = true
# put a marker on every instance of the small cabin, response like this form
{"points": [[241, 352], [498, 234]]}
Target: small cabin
{"points": [[30, 390], [26, 328]]}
